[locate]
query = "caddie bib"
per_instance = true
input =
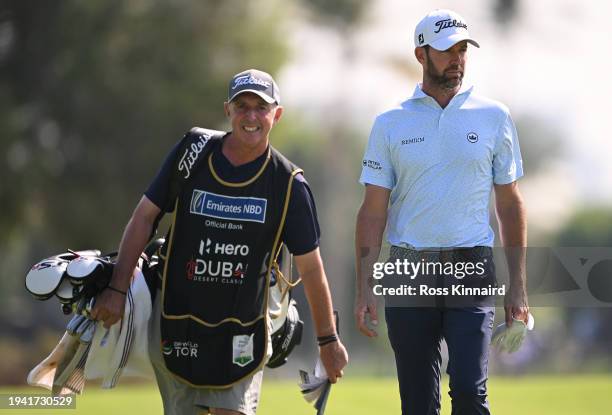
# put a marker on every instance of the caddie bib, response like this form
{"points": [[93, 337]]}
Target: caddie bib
{"points": [[223, 240]]}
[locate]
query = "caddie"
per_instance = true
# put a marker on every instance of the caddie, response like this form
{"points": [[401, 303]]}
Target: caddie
{"points": [[239, 201], [429, 169]]}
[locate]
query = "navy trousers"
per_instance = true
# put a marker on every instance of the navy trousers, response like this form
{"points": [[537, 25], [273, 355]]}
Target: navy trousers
{"points": [[416, 333]]}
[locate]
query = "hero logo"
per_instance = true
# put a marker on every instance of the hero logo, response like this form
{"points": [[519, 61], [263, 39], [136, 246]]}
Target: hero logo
{"points": [[222, 248], [180, 349]]}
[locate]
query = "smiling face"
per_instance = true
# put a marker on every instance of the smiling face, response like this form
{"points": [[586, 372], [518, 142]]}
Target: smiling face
{"points": [[252, 118], [443, 69]]}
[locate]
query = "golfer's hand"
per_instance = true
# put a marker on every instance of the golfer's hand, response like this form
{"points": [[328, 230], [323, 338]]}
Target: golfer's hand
{"points": [[109, 307], [365, 305], [515, 305], [334, 358]]}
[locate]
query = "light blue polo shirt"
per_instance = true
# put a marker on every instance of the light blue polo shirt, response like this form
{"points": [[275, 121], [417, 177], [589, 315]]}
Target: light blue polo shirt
{"points": [[440, 165]]}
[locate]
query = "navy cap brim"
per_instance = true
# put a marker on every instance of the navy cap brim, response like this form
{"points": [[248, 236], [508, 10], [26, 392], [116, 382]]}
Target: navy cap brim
{"points": [[261, 94]]}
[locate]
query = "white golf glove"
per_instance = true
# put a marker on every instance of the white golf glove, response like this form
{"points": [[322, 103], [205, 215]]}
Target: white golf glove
{"points": [[510, 339]]}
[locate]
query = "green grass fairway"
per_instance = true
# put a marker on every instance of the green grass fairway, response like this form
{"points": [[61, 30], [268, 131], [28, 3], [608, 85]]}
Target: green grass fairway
{"points": [[541, 395]]}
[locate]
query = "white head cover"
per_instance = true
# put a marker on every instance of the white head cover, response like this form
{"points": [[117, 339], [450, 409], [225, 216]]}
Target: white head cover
{"points": [[441, 29], [44, 277], [82, 267]]}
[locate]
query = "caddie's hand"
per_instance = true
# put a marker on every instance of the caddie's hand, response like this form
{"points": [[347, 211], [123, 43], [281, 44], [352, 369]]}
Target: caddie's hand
{"points": [[109, 307], [365, 305], [334, 358], [515, 305]]}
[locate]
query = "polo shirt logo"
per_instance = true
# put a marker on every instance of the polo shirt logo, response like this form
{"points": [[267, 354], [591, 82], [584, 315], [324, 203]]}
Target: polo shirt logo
{"points": [[372, 164], [413, 140], [472, 137]]}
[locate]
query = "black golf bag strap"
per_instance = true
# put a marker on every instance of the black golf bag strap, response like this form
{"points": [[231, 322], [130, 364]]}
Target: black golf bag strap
{"points": [[189, 158]]}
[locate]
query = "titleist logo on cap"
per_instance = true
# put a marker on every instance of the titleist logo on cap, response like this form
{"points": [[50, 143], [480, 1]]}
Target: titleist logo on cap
{"points": [[249, 80], [446, 23]]}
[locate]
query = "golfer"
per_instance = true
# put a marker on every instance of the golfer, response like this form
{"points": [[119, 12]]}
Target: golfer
{"points": [[428, 170], [210, 331]]}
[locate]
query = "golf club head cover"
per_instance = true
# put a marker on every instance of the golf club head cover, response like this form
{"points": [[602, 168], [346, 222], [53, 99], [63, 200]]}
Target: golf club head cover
{"points": [[91, 272], [45, 277]]}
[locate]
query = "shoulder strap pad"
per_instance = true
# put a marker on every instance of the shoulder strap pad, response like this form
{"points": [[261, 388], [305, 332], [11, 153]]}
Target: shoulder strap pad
{"points": [[190, 154]]}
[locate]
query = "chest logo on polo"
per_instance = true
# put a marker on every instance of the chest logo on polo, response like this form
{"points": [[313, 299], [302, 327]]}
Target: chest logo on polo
{"points": [[248, 209], [413, 140], [472, 137]]}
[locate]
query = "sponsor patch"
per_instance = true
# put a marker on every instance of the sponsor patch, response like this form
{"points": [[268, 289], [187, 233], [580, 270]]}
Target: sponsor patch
{"points": [[242, 352], [372, 164], [186, 349], [249, 209], [413, 140]]}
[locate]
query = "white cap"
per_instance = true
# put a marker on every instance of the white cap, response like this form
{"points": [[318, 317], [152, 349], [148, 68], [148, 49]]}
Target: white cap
{"points": [[441, 29]]}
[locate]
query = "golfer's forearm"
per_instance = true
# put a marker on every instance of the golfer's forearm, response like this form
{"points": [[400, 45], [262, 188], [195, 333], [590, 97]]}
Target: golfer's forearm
{"points": [[317, 293], [368, 239], [513, 234], [321, 308], [133, 242]]}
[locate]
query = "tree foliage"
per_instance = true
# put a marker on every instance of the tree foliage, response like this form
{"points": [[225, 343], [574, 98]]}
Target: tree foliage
{"points": [[94, 93], [588, 227]]}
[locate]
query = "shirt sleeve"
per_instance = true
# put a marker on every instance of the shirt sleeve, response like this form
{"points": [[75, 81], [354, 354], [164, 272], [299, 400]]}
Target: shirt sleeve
{"points": [[159, 187], [377, 168], [507, 160], [301, 232]]}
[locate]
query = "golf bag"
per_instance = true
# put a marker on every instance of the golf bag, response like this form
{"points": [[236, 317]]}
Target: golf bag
{"points": [[87, 350], [75, 278], [286, 324]]}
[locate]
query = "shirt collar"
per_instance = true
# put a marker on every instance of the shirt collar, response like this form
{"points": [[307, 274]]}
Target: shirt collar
{"points": [[418, 91]]}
